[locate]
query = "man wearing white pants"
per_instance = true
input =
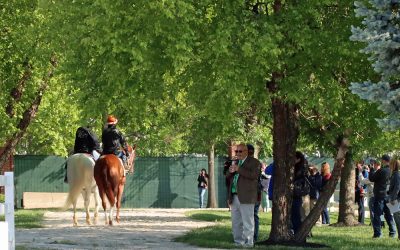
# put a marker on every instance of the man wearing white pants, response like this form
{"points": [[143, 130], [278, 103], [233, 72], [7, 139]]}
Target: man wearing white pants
{"points": [[243, 196]]}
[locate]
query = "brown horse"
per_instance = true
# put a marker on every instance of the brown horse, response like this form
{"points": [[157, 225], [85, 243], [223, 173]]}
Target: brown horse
{"points": [[110, 179]]}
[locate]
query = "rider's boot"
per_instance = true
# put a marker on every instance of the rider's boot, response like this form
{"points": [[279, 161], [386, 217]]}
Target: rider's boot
{"points": [[66, 174]]}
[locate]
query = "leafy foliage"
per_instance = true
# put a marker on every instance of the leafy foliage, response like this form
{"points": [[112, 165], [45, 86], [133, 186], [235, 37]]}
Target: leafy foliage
{"points": [[380, 31]]}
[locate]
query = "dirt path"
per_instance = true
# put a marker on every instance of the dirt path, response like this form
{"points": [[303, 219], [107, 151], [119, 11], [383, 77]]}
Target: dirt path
{"points": [[139, 229]]}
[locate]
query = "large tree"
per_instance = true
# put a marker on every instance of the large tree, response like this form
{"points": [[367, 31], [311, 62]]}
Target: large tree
{"points": [[380, 32], [26, 67]]}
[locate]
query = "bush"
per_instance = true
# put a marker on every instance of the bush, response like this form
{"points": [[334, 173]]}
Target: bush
{"points": [[2, 198]]}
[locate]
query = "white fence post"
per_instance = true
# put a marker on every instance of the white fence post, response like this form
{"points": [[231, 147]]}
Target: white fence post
{"points": [[7, 180]]}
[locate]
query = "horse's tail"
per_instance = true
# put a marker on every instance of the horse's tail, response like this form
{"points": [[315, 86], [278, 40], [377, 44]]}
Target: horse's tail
{"points": [[77, 183], [108, 186], [73, 194]]}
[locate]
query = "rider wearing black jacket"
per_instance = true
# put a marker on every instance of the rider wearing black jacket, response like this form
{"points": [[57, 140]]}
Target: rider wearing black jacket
{"points": [[86, 141], [113, 140]]}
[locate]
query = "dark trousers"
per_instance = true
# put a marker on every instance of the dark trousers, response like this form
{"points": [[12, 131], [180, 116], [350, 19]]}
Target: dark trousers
{"points": [[256, 220], [396, 217], [371, 208], [296, 214], [379, 209], [361, 210]]}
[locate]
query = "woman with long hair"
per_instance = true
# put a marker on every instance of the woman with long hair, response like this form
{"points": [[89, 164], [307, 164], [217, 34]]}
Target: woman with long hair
{"points": [[202, 186], [394, 190], [326, 175], [299, 174]]}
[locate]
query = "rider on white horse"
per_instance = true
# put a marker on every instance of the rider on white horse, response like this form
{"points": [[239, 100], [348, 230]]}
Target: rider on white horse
{"points": [[113, 140], [85, 142]]}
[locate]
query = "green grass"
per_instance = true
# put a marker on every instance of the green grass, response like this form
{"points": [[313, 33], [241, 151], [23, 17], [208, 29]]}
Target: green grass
{"points": [[29, 218], [220, 236], [2, 198]]}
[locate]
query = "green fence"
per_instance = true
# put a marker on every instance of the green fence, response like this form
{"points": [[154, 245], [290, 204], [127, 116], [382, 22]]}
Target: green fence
{"points": [[163, 182], [158, 182]]}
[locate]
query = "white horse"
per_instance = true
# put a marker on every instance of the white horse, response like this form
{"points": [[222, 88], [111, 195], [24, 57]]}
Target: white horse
{"points": [[80, 180]]}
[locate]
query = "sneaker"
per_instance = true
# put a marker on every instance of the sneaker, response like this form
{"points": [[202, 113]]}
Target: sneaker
{"points": [[376, 236]]}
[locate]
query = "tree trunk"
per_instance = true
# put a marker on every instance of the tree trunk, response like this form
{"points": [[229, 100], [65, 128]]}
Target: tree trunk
{"points": [[326, 194], [212, 201], [285, 134], [16, 93], [27, 117], [346, 199]]}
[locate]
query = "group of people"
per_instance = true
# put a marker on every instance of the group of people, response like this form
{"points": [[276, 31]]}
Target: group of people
{"points": [[249, 182], [308, 183], [113, 142], [380, 184]]}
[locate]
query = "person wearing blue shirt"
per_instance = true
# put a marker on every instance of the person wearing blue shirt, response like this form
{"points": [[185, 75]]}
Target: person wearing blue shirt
{"points": [[270, 171]]}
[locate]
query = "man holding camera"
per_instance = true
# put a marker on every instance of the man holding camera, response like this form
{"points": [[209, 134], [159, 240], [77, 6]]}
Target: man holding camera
{"points": [[243, 196]]}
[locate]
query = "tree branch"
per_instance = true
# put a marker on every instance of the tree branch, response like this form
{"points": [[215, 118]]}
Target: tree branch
{"points": [[16, 93], [28, 116]]}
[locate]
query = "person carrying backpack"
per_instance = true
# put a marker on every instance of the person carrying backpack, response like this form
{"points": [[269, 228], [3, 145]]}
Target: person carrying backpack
{"points": [[301, 188]]}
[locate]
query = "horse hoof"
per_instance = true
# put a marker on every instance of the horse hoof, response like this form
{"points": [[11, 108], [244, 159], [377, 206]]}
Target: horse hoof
{"points": [[88, 222], [111, 223]]}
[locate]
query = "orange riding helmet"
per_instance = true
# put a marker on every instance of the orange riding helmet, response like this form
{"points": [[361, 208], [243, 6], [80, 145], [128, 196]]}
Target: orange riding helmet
{"points": [[111, 120]]}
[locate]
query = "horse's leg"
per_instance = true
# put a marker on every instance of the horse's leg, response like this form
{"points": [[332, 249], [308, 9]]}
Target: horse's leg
{"points": [[86, 197], [111, 199], [75, 223], [119, 197], [103, 200], [97, 204], [112, 206], [110, 216]]}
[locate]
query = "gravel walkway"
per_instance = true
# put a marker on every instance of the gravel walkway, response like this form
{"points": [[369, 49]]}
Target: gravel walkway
{"points": [[139, 229]]}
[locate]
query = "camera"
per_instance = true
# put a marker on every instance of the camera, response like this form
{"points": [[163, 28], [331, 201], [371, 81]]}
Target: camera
{"points": [[229, 162]]}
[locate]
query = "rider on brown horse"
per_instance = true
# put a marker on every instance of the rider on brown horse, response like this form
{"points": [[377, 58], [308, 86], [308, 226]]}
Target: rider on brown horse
{"points": [[85, 142], [113, 140]]}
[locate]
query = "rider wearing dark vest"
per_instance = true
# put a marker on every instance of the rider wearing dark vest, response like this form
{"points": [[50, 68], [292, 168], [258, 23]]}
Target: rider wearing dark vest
{"points": [[85, 142], [113, 140]]}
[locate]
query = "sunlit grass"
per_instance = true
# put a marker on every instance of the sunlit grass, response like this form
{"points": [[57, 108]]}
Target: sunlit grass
{"points": [[29, 218], [220, 236]]}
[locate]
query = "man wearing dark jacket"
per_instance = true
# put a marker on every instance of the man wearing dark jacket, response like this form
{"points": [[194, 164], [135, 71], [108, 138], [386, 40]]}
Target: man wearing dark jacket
{"points": [[380, 177], [113, 140]]}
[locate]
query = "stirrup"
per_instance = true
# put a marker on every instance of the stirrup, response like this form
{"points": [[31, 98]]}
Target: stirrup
{"points": [[126, 168]]}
